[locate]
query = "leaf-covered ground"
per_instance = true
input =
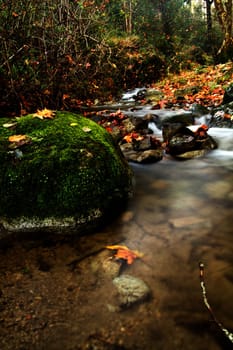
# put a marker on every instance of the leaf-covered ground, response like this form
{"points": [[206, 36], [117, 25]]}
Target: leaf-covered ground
{"points": [[204, 85]]}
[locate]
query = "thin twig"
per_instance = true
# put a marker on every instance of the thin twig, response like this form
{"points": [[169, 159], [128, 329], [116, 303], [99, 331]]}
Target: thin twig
{"points": [[228, 334], [13, 55]]}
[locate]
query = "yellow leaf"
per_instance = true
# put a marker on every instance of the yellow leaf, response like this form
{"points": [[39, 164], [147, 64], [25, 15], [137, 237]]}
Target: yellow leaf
{"points": [[9, 125], [116, 247], [44, 114], [86, 129], [17, 138]]}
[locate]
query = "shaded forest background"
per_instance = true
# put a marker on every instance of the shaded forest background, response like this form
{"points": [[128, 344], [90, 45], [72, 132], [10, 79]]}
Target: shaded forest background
{"points": [[61, 54]]}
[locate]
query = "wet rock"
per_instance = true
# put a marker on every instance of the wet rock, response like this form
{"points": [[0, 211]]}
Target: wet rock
{"points": [[198, 110], [192, 154], [182, 117], [180, 143], [218, 190], [183, 142], [144, 156], [228, 95], [129, 126], [188, 221], [145, 143], [149, 156], [222, 116], [171, 129], [111, 267], [131, 290], [134, 95], [140, 95], [135, 123]]}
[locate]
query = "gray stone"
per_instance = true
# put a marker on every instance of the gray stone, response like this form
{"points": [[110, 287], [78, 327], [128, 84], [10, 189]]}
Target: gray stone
{"points": [[131, 290]]}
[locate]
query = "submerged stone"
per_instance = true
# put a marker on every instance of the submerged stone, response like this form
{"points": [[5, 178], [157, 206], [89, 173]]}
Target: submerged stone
{"points": [[61, 172], [131, 289]]}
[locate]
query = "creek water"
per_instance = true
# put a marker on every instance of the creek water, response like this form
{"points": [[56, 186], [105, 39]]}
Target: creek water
{"points": [[180, 215]]}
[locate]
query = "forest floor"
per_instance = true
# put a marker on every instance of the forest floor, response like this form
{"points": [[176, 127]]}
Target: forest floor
{"points": [[203, 85]]}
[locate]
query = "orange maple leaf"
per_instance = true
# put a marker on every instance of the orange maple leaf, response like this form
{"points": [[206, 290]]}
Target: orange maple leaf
{"points": [[132, 136], [44, 114], [123, 252], [127, 255], [128, 138]]}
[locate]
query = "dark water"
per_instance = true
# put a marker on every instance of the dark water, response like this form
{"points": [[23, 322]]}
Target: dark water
{"points": [[181, 214]]}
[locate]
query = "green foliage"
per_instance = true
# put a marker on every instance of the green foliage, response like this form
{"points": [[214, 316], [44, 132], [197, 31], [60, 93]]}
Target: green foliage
{"points": [[52, 52]]}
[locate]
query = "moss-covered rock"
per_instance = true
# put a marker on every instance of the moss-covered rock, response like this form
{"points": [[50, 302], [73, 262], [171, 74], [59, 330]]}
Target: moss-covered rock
{"points": [[60, 171]]}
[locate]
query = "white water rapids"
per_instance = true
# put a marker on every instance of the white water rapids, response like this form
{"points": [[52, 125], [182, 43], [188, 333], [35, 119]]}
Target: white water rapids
{"points": [[223, 155]]}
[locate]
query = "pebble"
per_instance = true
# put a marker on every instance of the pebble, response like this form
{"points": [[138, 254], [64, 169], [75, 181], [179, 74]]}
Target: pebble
{"points": [[188, 221], [218, 190], [111, 268], [131, 290]]}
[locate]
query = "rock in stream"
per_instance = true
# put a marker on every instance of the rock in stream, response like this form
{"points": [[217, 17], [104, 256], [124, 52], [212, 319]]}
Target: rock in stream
{"points": [[131, 290]]}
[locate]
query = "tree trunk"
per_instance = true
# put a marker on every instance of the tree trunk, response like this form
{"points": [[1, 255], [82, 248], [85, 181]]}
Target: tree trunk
{"points": [[209, 25], [224, 13], [128, 11]]}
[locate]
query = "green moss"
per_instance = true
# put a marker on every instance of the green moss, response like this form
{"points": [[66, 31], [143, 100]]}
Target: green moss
{"points": [[68, 166]]}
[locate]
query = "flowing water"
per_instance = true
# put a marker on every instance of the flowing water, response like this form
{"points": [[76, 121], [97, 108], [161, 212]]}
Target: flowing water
{"points": [[180, 214]]}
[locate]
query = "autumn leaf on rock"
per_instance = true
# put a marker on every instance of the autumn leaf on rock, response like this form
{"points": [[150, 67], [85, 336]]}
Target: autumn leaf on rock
{"points": [[123, 252], [44, 114], [133, 136], [228, 116]]}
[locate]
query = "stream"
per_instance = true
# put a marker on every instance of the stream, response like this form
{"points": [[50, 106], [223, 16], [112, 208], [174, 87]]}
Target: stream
{"points": [[180, 215]]}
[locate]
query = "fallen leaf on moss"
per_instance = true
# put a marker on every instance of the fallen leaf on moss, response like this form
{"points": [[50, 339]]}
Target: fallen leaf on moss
{"points": [[18, 141], [9, 125], [86, 129], [17, 138], [123, 252], [44, 114]]}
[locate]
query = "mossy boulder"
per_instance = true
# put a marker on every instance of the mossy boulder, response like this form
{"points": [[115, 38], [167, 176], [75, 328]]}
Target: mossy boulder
{"points": [[64, 171]]}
